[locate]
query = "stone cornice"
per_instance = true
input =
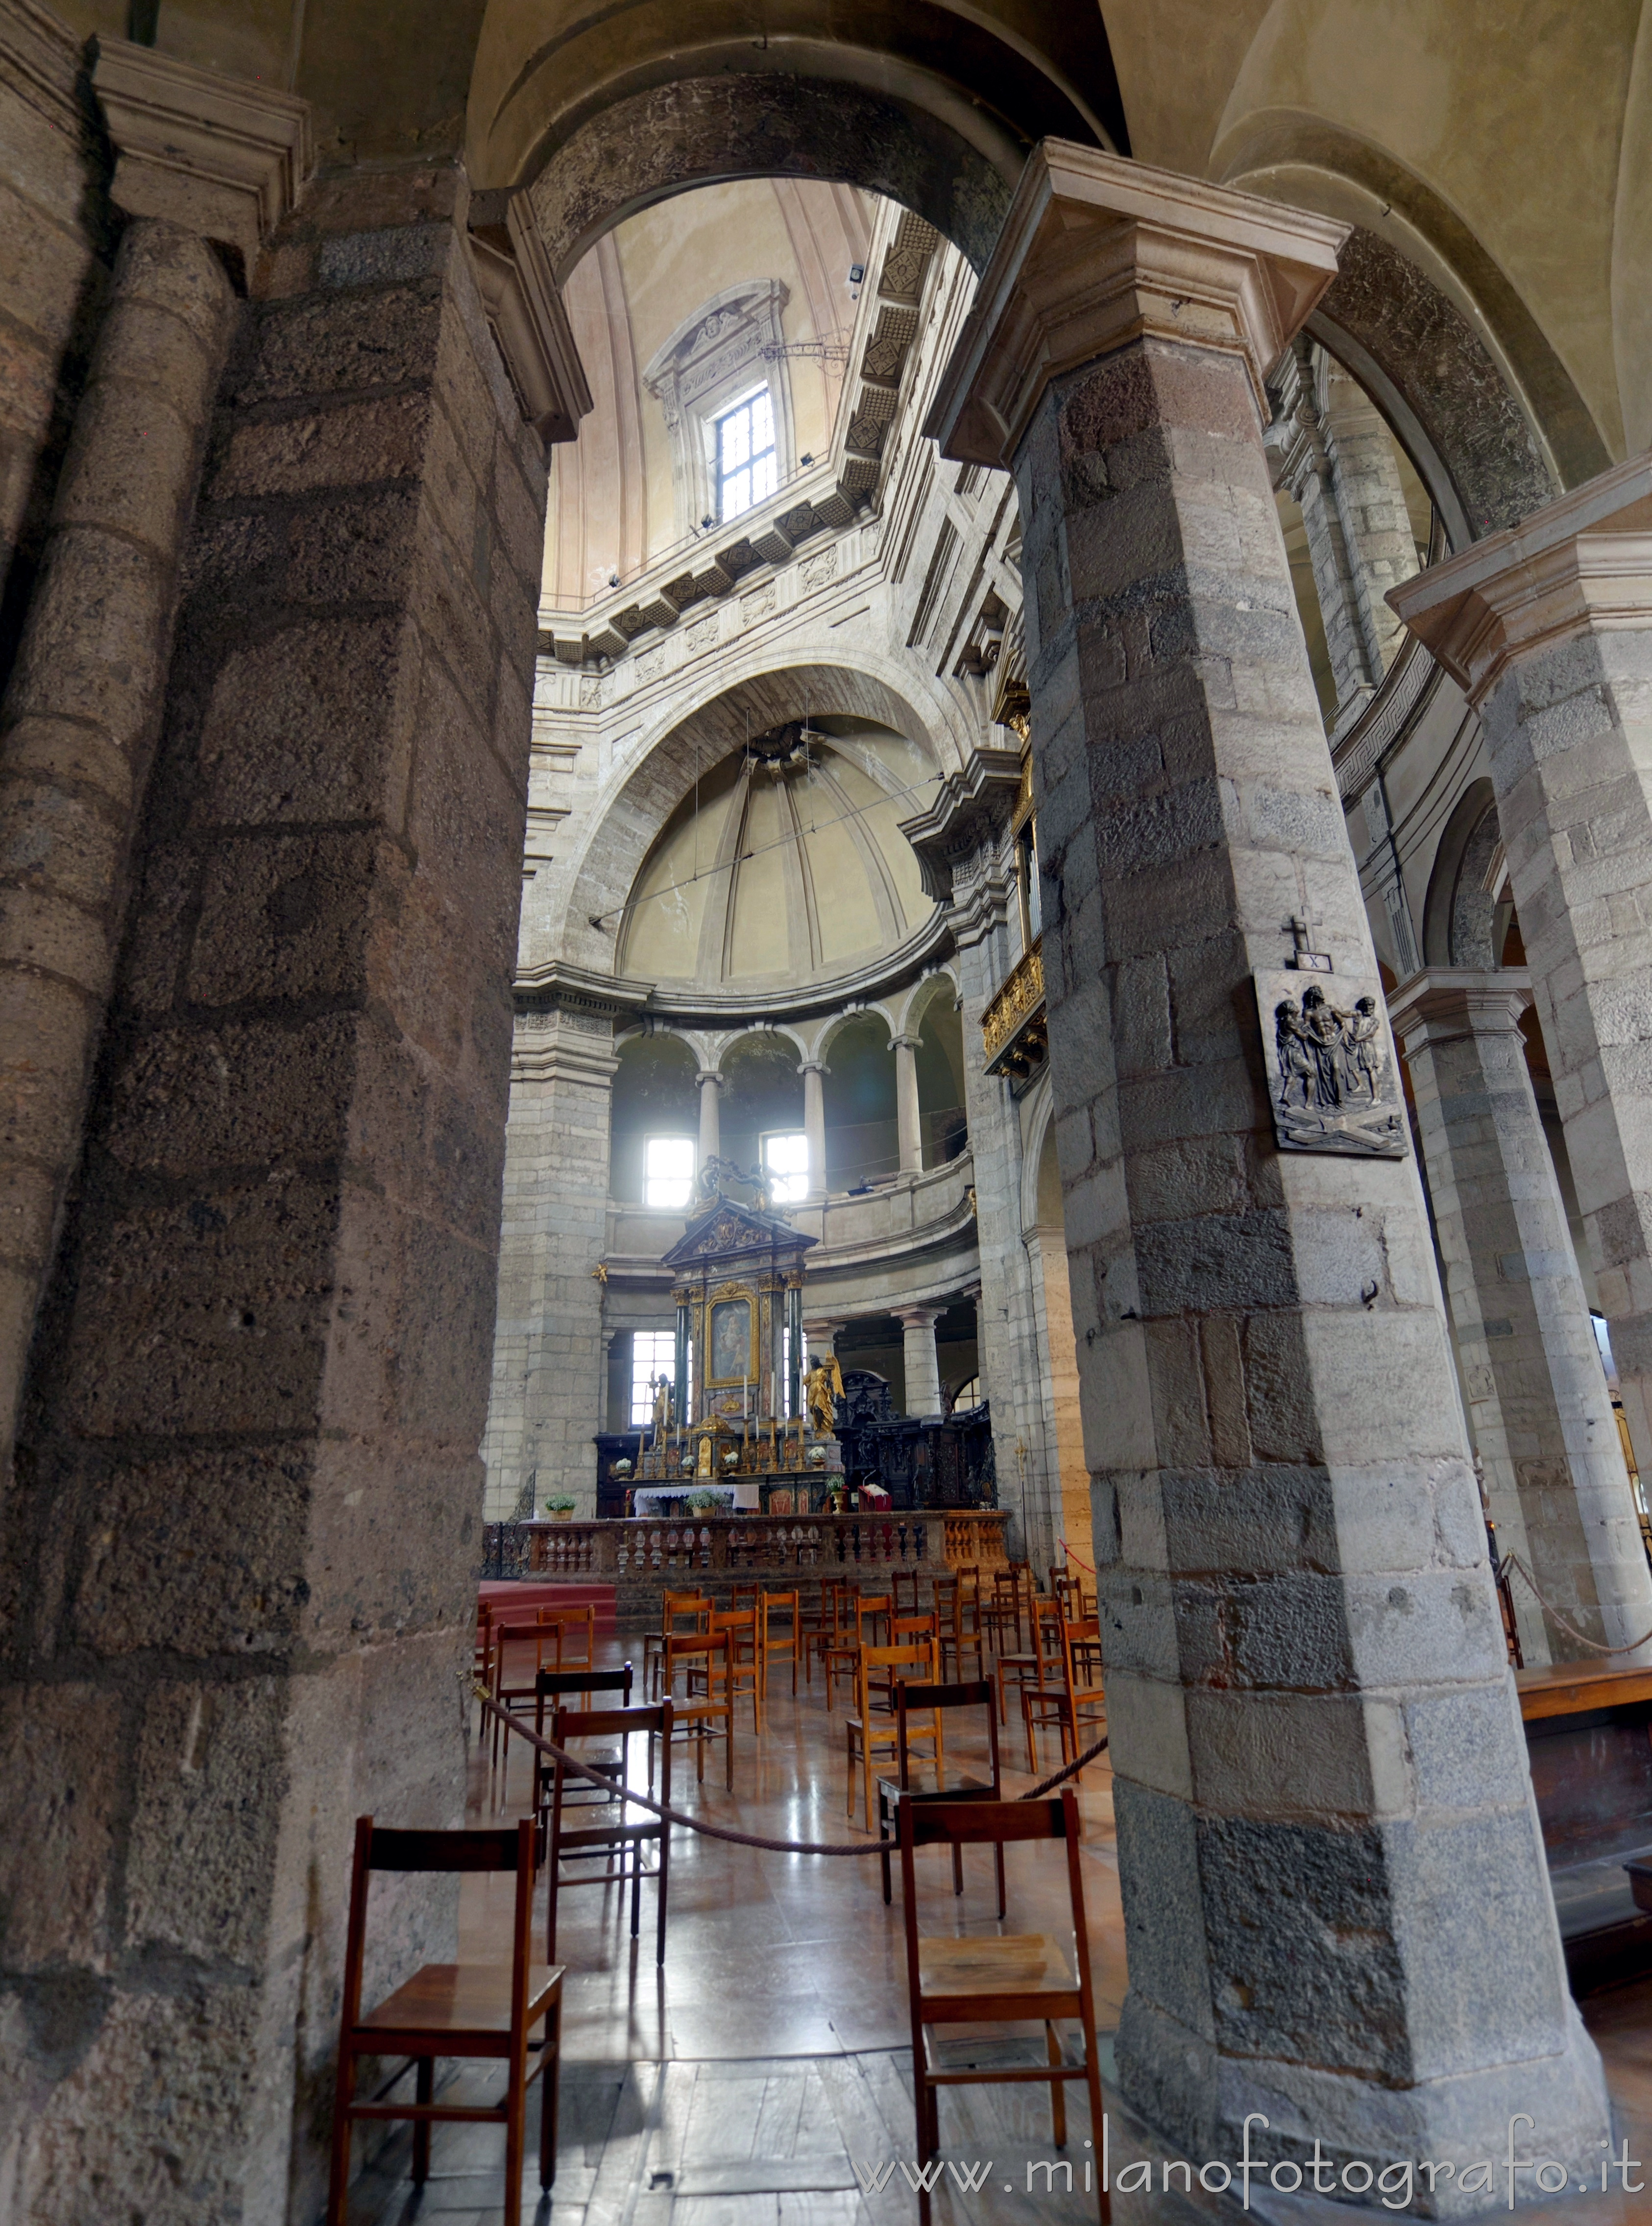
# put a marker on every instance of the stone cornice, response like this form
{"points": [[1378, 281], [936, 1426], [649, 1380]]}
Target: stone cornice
{"points": [[41, 57], [557, 987], [216, 155], [892, 969], [970, 808], [1096, 252], [524, 309], [1446, 1003], [1581, 564]]}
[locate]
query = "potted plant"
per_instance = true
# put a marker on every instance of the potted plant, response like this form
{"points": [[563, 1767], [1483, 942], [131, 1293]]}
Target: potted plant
{"points": [[705, 1502], [559, 1508]]}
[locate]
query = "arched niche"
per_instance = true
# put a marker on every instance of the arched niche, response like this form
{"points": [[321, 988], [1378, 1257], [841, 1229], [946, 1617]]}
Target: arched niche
{"points": [[862, 1127], [1460, 906], [655, 1093], [932, 105], [762, 1090], [938, 1027]]}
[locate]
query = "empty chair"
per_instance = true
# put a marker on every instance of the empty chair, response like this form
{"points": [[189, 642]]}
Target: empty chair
{"points": [[903, 1586], [616, 1837], [554, 1687], [674, 1608], [1039, 1666], [865, 1733], [922, 1781], [485, 2010], [1005, 1980], [746, 1670], [1000, 1610], [778, 1635], [1071, 1702], [698, 1716], [957, 1603]]}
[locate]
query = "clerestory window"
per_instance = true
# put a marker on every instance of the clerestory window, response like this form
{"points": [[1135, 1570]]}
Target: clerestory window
{"points": [[748, 466], [668, 1172]]}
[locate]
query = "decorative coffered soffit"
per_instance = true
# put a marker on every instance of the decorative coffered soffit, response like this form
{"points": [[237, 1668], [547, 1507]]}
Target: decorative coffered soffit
{"points": [[218, 157], [1582, 564], [1097, 252]]}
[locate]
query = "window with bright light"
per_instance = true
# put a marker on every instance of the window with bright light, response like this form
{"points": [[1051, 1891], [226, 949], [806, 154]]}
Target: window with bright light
{"points": [[668, 1172], [785, 1162], [653, 1354], [747, 468]]}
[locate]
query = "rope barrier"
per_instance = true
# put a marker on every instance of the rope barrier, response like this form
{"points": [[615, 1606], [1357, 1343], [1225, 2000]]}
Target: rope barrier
{"points": [[722, 1831], [1513, 1562]]}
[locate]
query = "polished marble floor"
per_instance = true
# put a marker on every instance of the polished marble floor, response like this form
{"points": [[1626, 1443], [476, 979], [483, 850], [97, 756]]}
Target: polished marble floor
{"points": [[743, 2083]]}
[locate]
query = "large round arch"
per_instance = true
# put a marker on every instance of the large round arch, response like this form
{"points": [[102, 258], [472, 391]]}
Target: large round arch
{"points": [[933, 105]]}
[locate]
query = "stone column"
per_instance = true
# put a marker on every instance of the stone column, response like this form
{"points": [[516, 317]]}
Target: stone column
{"points": [[909, 1121], [814, 1124], [1543, 1420], [710, 1083], [923, 1366], [240, 1556], [1337, 1907], [1547, 630], [548, 1393], [79, 724], [1334, 454]]}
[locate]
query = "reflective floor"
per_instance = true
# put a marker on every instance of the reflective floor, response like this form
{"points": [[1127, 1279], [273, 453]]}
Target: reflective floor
{"points": [[744, 2083]]}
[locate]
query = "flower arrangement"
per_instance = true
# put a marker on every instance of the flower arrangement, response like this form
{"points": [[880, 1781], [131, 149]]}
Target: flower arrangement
{"points": [[560, 1507]]}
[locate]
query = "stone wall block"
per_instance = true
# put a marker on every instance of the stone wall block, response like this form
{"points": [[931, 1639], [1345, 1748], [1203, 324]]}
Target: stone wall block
{"points": [[282, 917], [195, 1884], [41, 1033], [168, 1559], [356, 548], [1307, 1756], [1181, 1429], [256, 1092], [83, 760], [70, 841], [1310, 1983], [1428, 1627], [206, 1315], [1159, 1836], [392, 1548], [91, 651], [145, 446], [337, 344], [62, 1801], [268, 744], [49, 931], [352, 444], [412, 1332]]}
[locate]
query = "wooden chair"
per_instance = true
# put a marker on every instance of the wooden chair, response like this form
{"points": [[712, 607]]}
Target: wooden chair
{"points": [[903, 1585], [1072, 1706], [863, 1732], [696, 1712], [960, 1624], [1036, 1667], [874, 1608], [545, 1637], [673, 1607], [903, 1629], [747, 1592], [1001, 1613], [840, 1647], [578, 1627], [920, 1782], [782, 1646], [814, 1624], [740, 1623], [480, 2010], [996, 1981], [555, 1686], [616, 1836]]}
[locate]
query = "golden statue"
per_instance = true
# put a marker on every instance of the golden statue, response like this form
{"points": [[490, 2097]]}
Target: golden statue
{"points": [[823, 1382], [662, 1407]]}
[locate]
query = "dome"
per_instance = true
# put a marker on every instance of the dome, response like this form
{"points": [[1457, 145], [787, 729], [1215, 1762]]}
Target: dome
{"points": [[785, 863]]}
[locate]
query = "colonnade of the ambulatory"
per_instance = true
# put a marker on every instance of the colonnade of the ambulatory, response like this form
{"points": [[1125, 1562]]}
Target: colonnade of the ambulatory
{"points": [[1130, 835]]}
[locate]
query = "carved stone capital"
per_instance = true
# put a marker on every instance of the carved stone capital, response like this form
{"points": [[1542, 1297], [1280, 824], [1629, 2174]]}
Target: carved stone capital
{"points": [[1582, 564], [524, 309], [1095, 253], [215, 155], [1446, 1003]]}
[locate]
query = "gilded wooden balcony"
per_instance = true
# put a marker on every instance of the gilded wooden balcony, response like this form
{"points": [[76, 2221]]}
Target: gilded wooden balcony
{"points": [[1012, 1027]]}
